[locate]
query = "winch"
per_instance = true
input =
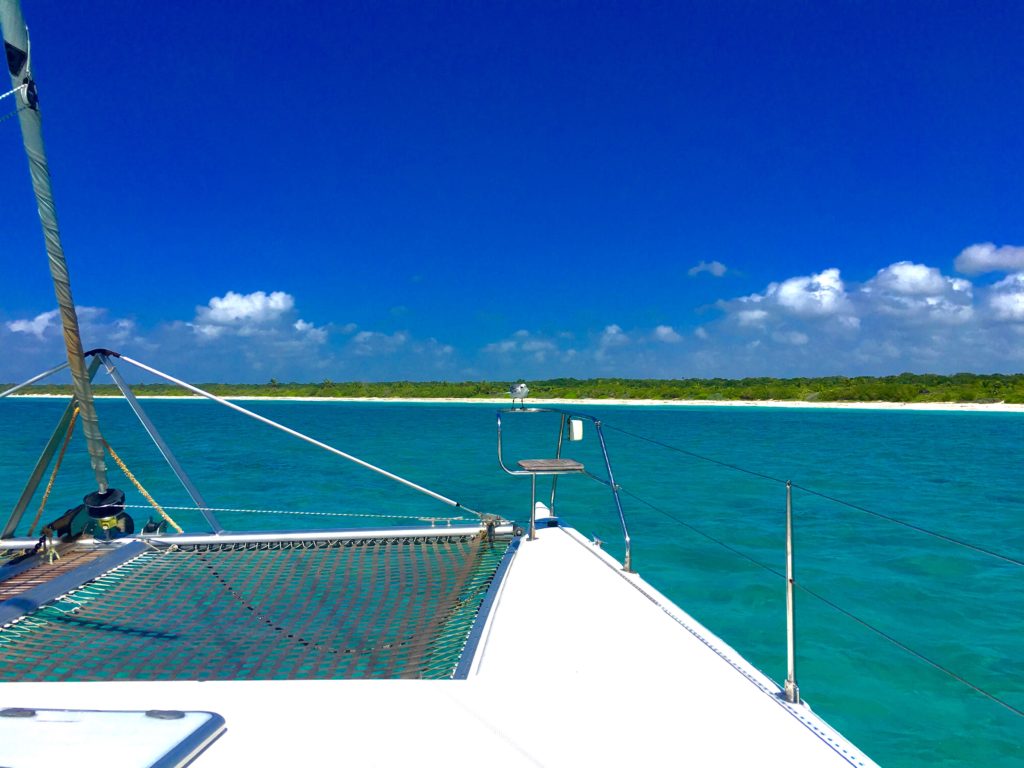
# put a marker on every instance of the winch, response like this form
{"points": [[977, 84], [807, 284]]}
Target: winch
{"points": [[107, 510]]}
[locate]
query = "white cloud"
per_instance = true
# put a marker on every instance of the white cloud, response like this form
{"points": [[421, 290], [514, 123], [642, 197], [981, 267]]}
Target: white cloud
{"points": [[611, 338], [244, 314], [907, 316], [811, 312], [667, 334], [245, 338], [849, 322], [524, 346], [749, 317], [1006, 299], [373, 343], [714, 268], [796, 338], [907, 278], [501, 347], [817, 295], [986, 257], [319, 335], [918, 293], [37, 326], [538, 347], [94, 327]]}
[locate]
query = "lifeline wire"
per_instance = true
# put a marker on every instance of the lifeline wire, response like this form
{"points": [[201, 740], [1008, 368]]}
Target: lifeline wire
{"points": [[911, 651], [834, 606], [841, 502], [913, 527], [707, 536]]}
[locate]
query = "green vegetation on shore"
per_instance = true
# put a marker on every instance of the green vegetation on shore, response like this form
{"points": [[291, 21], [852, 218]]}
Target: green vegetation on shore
{"points": [[904, 388]]}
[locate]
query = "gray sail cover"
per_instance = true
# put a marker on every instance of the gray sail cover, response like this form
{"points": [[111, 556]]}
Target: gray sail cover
{"points": [[19, 64]]}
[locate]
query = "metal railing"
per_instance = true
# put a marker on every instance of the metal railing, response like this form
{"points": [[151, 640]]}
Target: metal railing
{"points": [[566, 418]]}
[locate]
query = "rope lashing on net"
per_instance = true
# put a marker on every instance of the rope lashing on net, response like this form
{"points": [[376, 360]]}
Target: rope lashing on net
{"points": [[53, 475], [372, 515], [138, 486]]}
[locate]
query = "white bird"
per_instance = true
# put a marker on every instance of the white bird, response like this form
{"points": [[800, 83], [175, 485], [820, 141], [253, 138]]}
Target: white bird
{"points": [[518, 391]]}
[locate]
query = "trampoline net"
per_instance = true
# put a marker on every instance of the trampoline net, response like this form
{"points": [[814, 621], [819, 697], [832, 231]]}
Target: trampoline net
{"points": [[368, 608]]}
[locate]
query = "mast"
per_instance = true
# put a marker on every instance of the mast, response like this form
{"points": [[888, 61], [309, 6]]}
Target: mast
{"points": [[19, 63]]}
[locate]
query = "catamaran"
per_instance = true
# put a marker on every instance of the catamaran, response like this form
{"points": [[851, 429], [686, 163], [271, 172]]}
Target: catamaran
{"points": [[500, 642]]}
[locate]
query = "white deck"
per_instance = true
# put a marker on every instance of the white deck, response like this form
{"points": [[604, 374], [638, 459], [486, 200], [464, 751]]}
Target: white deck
{"points": [[580, 664]]}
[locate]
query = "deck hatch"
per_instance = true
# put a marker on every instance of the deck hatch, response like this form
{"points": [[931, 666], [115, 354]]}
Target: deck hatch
{"points": [[383, 607]]}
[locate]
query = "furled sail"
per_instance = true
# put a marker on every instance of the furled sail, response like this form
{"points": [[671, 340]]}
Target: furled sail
{"points": [[19, 63]]}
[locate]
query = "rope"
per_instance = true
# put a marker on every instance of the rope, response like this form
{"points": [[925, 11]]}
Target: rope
{"points": [[22, 87], [53, 475], [886, 636], [920, 529], [140, 489]]}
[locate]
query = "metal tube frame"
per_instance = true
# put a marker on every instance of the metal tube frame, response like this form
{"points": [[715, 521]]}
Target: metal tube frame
{"points": [[36, 476], [165, 451], [610, 481], [34, 379], [558, 455], [792, 690]]}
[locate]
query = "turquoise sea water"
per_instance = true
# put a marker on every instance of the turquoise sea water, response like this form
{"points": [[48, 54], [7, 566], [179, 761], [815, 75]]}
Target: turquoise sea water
{"points": [[959, 474]]}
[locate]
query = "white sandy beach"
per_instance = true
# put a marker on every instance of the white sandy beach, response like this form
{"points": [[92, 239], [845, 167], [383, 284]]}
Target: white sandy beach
{"points": [[873, 406]]}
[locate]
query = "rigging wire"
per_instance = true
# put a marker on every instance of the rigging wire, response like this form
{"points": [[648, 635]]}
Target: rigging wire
{"points": [[685, 452], [706, 535], [912, 526], [836, 500], [881, 633], [910, 650], [15, 113]]}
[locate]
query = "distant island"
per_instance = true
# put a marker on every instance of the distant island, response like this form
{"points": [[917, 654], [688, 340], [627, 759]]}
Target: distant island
{"points": [[904, 388]]}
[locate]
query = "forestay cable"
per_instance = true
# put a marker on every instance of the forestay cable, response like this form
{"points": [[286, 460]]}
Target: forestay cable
{"points": [[294, 433]]}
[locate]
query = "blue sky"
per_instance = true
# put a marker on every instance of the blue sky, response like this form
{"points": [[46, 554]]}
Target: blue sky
{"points": [[430, 190]]}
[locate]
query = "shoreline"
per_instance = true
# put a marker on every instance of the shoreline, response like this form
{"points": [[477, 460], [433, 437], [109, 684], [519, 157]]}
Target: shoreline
{"points": [[874, 405]]}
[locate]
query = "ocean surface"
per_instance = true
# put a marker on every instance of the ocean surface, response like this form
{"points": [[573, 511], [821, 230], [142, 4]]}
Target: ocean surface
{"points": [[711, 536]]}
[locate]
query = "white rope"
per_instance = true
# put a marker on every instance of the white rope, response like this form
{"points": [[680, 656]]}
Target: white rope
{"points": [[376, 516], [22, 87]]}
